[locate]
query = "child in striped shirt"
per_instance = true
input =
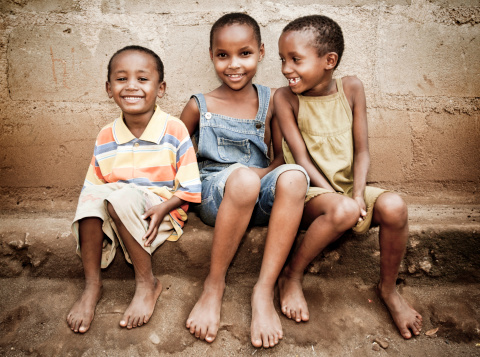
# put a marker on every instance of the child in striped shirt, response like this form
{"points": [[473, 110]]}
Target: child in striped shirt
{"points": [[142, 175]]}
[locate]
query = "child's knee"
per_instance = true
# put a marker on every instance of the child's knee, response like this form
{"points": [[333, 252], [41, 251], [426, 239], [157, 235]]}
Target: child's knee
{"points": [[243, 185], [293, 182], [392, 209], [345, 214]]}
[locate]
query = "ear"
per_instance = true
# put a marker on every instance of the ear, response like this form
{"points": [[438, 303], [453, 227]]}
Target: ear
{"points": [[262, 52], [108, 88], [211, 53], [162, 86], [332, 59]]}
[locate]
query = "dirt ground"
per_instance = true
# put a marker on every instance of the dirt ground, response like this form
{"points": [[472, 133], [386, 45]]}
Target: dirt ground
{"points": [[346, 318]]}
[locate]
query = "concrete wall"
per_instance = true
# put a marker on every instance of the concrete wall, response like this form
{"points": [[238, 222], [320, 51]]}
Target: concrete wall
{"points": [[419, 61]]}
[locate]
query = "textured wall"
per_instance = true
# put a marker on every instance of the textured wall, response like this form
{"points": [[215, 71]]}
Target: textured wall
{"points": [[419, 61]]}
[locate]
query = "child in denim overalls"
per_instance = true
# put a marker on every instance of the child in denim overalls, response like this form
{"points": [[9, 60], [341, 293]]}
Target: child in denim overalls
{"points": [[240, 186]]}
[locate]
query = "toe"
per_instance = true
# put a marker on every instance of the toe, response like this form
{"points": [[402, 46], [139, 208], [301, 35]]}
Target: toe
{"points": [[256, 342], [266, 343], [406, 333]]}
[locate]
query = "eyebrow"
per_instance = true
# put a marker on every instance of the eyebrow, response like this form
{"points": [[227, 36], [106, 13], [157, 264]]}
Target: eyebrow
{"points": [[124, 71]]}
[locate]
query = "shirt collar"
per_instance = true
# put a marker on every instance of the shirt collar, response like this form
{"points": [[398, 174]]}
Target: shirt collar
{"points": [[153, 132]]}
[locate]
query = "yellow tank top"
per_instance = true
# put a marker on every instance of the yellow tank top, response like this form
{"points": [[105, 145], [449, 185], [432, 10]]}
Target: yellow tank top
{"points": [[326, 126]]}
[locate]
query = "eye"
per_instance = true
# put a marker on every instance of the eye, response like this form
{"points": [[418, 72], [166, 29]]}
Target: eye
{"points": [[296, 59], [222, 55], [282, 59], [246, 53], [121, 79], [142, 79]]}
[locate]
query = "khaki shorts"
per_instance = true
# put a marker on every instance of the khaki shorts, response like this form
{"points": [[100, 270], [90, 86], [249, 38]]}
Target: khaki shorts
{"points": [[130, 203], [371, 194]]}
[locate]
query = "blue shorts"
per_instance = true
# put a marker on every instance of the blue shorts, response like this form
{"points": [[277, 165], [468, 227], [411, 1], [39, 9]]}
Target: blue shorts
{"points": [[213, 188]]}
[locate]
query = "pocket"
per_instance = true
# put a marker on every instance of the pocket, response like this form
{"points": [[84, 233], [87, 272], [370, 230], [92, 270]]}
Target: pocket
{"points": [[233, 150]]}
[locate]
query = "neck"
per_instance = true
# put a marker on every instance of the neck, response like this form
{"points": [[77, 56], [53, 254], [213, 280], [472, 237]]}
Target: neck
{"points": [[326, 87], [137, 123]]}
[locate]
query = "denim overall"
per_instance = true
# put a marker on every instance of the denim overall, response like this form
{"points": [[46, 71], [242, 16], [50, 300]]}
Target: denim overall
{"points": [[226, 144]]}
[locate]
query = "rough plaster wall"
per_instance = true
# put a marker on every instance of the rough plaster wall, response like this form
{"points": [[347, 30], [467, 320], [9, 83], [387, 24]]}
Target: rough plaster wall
{"points": [[419, 61]]}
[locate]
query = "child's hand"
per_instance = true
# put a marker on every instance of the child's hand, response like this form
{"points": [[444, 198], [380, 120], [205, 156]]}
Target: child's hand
{"points": [[363, 207], [156, 215]]}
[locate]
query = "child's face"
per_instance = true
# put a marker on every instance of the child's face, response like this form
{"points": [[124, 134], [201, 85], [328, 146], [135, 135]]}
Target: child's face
{"points": [[307, 73], [235, 55], [134, 83]]}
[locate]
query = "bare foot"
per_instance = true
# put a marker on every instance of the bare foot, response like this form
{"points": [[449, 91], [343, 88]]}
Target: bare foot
{"points": [[292, 300], [143, 303], [204, 319], [81, 315], [266, 328], [404, 316]]}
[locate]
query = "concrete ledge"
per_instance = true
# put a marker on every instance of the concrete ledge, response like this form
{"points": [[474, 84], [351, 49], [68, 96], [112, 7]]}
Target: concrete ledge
{"points": [[443, 246]]}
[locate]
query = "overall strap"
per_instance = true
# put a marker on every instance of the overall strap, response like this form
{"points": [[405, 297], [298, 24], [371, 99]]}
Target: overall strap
{"points": [[263, 102], [201, 103]]}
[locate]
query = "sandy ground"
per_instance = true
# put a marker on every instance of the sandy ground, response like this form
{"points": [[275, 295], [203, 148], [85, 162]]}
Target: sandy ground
{"points": [[346, 317]]}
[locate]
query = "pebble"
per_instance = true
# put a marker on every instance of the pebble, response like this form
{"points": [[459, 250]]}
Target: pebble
{"points": [[375, 347], [154, 338], [382, 343], [431, 332]]}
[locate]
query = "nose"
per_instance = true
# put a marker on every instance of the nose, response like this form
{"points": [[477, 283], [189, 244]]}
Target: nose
{"points": [[286, 69], [132, 85], [234, 63]]}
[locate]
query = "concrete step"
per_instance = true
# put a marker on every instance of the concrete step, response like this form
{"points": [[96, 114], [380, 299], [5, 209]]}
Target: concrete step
{"points": [[42, 277], [443, 245]]}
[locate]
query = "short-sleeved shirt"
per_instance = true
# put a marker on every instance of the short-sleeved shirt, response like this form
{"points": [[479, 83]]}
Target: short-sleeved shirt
{"points": [[162, 159]]}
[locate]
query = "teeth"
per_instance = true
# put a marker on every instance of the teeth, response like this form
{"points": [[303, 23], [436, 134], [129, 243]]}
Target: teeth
{"points": [[131, 98], [234, 75], [293, 80]]}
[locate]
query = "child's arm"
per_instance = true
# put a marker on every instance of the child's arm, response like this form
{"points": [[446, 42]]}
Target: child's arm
{"points": [[286, 105], [187, 186], [355, 94], [276, 140], [191, 116]]}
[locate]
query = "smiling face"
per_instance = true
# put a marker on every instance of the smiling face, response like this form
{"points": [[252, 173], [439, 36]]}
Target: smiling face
{"points": [[134, 84], [306, 72], [235, 54]]}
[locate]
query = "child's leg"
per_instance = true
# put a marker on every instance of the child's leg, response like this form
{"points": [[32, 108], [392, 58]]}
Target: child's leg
{"points": [[241, 192], [147, 287], [390, 212], [91, 238], [285, 217], [329, 216]]}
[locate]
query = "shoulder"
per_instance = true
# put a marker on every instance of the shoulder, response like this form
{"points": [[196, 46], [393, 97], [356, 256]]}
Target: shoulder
{"points": [[284, 95], [352, 84], [105, 134], [176, 127]]}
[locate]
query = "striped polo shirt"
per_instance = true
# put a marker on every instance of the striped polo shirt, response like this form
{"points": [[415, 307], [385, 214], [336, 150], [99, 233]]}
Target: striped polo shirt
{"points": [[162, 159]]}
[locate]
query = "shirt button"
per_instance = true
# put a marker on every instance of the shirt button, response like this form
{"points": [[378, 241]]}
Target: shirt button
{"points": [[136, 145], [258, 125], [208, 115]]}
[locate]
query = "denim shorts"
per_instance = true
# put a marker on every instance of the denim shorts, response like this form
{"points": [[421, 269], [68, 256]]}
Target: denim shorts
{"points": [[213, 188]]}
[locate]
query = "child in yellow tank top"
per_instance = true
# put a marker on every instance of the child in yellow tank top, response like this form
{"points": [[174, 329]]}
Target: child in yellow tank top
{"points": [[324, 123]]}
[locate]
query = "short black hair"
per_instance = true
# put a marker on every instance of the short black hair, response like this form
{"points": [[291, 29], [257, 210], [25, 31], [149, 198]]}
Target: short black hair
{"points": [[148, 51], [328, 34], [239, 19]]}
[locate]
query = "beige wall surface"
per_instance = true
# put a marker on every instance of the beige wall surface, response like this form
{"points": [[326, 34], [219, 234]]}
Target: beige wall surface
{"points": [[419, 61]]}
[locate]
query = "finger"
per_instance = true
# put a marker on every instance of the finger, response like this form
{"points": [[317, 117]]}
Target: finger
{"points": [[151, 237], [147, 214], [151, 226]]}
